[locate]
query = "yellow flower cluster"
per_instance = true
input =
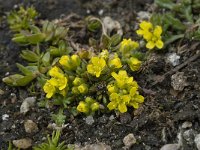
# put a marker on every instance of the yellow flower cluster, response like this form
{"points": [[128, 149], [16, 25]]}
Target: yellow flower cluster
{"points": [[70, 62], [79, 86], [96, 66], [127, 45], [151, 34], [88, 106], [58, 82], [123, 92]]}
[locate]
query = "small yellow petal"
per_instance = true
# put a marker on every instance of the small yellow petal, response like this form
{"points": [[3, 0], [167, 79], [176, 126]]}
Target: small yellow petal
{"points": [[111, 105], [157, 31], [150, 45], [135, 105], [146, 25], [139, 32], [122, 108], [159, 44]]}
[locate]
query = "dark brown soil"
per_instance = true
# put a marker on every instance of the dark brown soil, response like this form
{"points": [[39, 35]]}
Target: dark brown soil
{"points": [[163, 111]]}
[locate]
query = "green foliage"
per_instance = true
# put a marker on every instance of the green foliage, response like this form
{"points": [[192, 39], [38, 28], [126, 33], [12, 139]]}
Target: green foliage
{"points": [[52, 143], [22, 19], [59, 118], [49, 32], [178, 20]]}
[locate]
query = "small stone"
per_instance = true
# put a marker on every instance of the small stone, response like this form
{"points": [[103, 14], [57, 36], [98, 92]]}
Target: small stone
{"points": [[170, 147], [27, 104], [143, 15], [187, 124], [89, 120], [173, 59], [13, 98], [101, 11], [197, 141], [98, 146], [111, 117], [5, 117], [125, 118], [110, 25], [129, 140], [188, 135], [178, 81], [30, 126], [23, 143], [1, 92]]}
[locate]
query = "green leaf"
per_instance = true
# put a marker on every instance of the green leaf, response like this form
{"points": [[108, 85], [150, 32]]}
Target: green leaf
{"points": [[25, 80], [18, 80], [35, 29], [59, 118], [105, 41], [174, 22], [35, 38], [23, 69], [19, 38], [46, 59], [115, 40], [165, 3], [29, 56], [173, 38], [93, 24]]}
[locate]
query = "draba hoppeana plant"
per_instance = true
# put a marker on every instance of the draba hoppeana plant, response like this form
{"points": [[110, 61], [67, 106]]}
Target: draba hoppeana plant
{"points": [[97, 79]]}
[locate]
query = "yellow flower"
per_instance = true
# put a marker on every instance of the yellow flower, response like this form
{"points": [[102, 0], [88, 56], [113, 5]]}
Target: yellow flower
{"points": [[122, 78], [49, 89], [151, 34], [115, 63], [104, 54], [96, 66], [112, 88], [83, 88], [76, 61], [128, 45], [65, 62], [82, 107], [94, 106], [77, 81], [145, 28], [55, 72], [70, 63], [155, 39], [60, 82], [136, 100], [118, 102], [134, 64]]}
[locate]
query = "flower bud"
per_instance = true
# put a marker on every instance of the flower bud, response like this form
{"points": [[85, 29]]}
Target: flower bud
{"points": [[82, 107], [83, 88], [94, 106]]}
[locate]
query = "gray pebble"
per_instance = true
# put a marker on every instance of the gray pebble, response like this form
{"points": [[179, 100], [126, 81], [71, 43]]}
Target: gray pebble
{"points": [[23, 143], [197, 141], [30, 126], [170, 147], [129, 140]]}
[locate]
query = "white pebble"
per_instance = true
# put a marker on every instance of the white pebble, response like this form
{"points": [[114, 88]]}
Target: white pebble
{"points": [[170, 147], [197, 141], [173, 59], [5, 117], [27, 104], [89, 120]]}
